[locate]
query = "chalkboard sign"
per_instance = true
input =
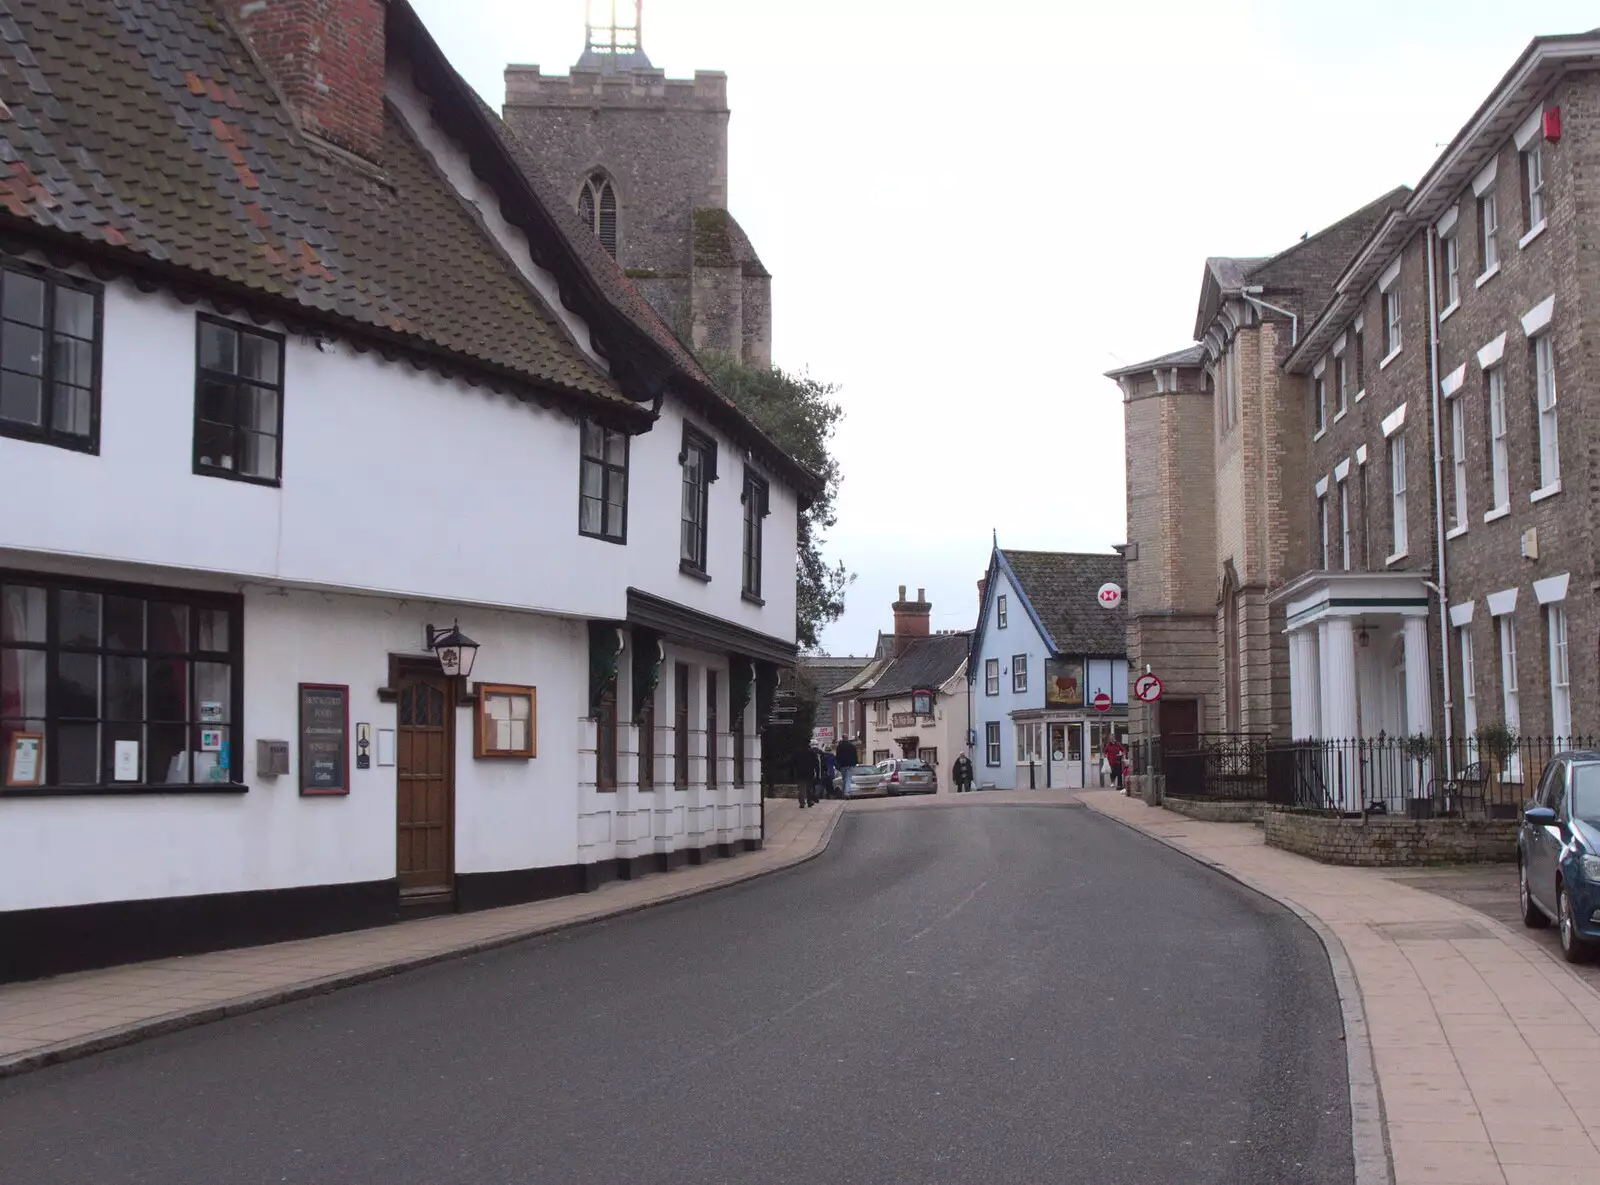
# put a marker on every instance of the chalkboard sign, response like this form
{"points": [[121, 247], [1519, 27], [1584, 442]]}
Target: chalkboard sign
{"points": [[324, 738]]}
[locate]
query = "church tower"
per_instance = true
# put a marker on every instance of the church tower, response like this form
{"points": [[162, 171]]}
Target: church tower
{"points": [[643, 159]]}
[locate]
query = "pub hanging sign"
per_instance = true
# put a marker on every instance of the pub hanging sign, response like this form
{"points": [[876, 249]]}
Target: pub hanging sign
{"points": [[324, 738]]}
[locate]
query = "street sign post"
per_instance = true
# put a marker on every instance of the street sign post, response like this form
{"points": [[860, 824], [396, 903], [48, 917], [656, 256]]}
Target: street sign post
{"points": [[1109, 596], [1147, 689], [1101, 702]]}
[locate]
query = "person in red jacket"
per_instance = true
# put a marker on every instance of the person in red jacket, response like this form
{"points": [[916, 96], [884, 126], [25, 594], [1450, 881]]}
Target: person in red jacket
{"points": [[1114, 753]]}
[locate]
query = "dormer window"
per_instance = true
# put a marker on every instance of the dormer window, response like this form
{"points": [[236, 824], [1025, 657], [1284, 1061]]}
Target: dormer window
{"points": [[597, 206]]}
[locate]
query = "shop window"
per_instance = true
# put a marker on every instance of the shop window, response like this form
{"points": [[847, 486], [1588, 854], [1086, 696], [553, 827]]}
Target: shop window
{"points": [[122, 687]]}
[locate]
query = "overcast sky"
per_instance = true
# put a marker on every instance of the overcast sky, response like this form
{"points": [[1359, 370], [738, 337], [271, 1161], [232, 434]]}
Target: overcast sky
{"points": [[971, 210]]}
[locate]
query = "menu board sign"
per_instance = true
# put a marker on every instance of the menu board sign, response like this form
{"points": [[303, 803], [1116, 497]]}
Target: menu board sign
{"points": [[324, 738]]}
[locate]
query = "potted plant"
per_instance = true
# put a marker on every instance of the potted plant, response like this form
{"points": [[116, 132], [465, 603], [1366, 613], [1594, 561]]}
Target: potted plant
{"points": [[1496, 744], [1419, 748]]}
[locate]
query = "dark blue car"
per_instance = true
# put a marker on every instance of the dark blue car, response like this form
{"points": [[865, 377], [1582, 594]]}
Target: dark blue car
{"points": [[1558, 853]]}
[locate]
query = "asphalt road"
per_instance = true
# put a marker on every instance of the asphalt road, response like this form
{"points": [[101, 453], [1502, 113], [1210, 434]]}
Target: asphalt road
{"points": [[963, 993]]}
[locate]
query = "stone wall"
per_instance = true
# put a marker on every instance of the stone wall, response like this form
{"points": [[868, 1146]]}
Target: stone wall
{"points": [[1379, 841], [1212, 811]]}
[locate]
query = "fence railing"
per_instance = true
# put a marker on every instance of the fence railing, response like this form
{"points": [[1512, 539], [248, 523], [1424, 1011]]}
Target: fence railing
{"points": [[1415, 776]]}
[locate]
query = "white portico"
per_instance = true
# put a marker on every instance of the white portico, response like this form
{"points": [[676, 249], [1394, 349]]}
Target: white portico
{"points": [[1358, 655]]}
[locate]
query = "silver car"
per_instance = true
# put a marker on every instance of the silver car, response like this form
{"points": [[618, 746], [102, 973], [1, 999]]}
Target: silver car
{"points": [[909, 775], [866, 782]]}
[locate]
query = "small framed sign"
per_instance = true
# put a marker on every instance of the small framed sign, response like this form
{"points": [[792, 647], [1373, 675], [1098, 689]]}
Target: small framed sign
{"points": [[324, 738], [25, 759]]}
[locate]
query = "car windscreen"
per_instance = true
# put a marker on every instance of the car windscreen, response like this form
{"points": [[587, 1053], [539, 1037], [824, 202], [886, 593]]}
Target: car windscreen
{"points": [[913, 765], [1586, 791]]}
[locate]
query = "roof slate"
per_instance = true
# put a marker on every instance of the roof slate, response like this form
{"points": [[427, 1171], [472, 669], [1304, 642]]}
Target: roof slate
{"points": [[1062, 587], [146, 126], [1188, 356], [925, 664]]}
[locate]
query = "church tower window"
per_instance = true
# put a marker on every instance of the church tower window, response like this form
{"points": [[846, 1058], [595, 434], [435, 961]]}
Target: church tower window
{"points": [[597, 206]]}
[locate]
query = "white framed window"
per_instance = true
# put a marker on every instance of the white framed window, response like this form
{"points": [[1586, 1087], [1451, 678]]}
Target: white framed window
{"points": [[1366, 520], [1319, 397], [1322, 525], [1341, 385], [991, 743], [991, 676], [1488, 234], [1397, 490], [1027, 743], [1391, 321], [1499, 449], [1344, 525], [1469, 692], [1533, 185], [1560, 676], [1508, 672], [1450, 265], [1019, 673], [1544, 370], [1458, 458], [1000, 611]]}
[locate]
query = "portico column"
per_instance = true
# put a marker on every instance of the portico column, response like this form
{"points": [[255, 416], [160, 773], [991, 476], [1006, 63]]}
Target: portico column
{"points": [[1305, 708], [1419, 677], [1339, 707]]}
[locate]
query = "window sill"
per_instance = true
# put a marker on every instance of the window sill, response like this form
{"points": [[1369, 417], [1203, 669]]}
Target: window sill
{"points": [[599, 537], [1340, 414], [1549, 491], [1538, 229], [234, 475], [1390, 357], [1318, 435], [122, 790], [73, 444], [1487, 276], [689, 569], [750, 597], [1456, 532], [1445, 313], [1360, 395], [1497, 512], [1395, 558]]}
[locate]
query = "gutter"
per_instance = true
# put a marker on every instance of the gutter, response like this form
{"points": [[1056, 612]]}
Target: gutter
{"points": [[1294, 318], [1438, 497]]}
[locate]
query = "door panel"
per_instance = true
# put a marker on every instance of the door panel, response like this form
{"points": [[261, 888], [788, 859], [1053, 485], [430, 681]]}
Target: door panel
{"points": [[425, 783]]}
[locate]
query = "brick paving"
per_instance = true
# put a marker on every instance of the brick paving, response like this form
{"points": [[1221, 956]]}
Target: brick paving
{"points": [[1485, 1045], [67, 1016]]}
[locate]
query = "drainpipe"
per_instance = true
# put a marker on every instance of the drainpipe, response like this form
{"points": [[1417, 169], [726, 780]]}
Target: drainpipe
{"points": [[1438, 499], [1294, 319]]}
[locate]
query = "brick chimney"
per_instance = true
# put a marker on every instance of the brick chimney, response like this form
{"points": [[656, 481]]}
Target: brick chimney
{"points": [[910, 619], [983, 587], [327, 56]]}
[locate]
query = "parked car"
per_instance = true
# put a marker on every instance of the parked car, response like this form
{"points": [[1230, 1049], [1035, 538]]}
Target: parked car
{"points": [[1558, 853], [908, 775], [867, 781]]}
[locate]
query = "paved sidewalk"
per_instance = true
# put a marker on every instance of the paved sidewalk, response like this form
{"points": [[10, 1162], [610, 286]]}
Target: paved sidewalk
{"points": [[68, 1016], [1486, 1048]]}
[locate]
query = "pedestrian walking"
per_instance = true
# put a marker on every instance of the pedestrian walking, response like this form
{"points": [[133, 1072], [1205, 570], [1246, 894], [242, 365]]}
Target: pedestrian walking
{"points": [[806, 764], [961, 771], [1114, 753], [845, 759]]}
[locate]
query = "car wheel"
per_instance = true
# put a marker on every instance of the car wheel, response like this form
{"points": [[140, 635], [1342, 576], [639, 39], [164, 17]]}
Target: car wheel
{"points": [[1573, 948], [1532, 916]]}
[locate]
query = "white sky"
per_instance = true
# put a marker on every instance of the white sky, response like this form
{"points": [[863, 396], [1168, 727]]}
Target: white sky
{"points": [[971, 210]]}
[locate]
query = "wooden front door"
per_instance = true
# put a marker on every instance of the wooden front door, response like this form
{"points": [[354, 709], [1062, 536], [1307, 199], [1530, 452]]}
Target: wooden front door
{"points": [[425, 772]]}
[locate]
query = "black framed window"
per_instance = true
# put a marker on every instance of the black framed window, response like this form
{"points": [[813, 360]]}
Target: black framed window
{"points": [[1019, 673], [1000, 611], [699, 460], [238, 402], [647, 743], [128, 687], [991, 676], [680, 726], [991, 743], [49, 357], [603, 482], [605, 741], [712, 734], [737, 731], [755, 510]]}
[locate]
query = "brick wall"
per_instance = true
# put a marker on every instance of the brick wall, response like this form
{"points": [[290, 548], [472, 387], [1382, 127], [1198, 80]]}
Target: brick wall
{"points": [[1379, 841]]}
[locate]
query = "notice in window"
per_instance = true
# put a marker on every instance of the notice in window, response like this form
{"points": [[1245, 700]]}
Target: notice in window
{"points": [[125, 761], [324, 739], [25, 761]]}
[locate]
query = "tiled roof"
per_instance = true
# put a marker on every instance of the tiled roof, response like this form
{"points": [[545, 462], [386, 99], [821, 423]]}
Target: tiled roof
{"points": [[1062, 589], [1188, 356], [926, 664], [864, 678], [147, 128]]}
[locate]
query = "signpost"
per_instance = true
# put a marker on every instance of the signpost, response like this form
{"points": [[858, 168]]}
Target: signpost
{"points": [[1109, 596], [1101, 702], [1147, 689]]}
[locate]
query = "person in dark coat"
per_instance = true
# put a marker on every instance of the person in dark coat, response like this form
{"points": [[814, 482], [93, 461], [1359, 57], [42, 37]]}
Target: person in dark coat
{"points": [[807, 766], [961, 771], [845, 759]]}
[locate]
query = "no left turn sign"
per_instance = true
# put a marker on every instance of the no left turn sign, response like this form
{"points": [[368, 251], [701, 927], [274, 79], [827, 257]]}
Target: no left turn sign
{"points": [[1147, 689]]}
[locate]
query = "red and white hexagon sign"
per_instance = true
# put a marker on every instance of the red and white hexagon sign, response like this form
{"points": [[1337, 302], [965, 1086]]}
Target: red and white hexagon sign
{"points": [[1147, 689], [1110, 595]]}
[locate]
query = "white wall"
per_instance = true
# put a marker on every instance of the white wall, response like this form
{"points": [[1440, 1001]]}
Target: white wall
{"points": [[1019, 637], [509, 814]]}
